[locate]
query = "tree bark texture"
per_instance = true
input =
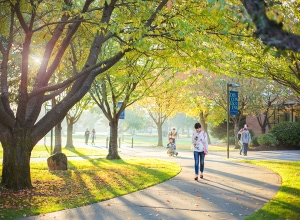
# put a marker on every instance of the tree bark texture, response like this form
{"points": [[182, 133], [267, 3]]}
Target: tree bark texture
{"points": [[57, 136], [69, 143], [113, 141], [16, 161], [160, 137], [269, 31]]}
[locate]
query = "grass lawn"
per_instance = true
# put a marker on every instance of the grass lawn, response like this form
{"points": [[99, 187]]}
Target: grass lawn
{"points": [[286, 203], [85, 182], [91, 180]]}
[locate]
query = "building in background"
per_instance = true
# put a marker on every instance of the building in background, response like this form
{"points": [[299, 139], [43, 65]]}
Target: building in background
{"points": [[288, 111]]}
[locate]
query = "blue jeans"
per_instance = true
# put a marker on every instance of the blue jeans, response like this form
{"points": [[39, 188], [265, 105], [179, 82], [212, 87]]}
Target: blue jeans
{"points": [[245, 148], [199, 156]]}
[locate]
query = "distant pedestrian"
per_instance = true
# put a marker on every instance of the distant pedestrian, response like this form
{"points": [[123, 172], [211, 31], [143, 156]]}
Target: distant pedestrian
{"points": [[86, 135], [239, 138], [245, 139], [93, 136], [173, 134], [200, 147]]}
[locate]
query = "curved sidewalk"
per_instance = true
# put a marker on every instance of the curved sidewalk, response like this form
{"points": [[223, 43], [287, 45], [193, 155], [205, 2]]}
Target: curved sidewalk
{"points": [[229, 190]]}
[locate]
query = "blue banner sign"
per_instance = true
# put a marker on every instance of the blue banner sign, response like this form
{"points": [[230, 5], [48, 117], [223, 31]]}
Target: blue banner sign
{"points": [[233, 102], [122, 116]]}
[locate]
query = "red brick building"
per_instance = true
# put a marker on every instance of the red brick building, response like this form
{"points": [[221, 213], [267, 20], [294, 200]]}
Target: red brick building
{"points": [[279, 113]]}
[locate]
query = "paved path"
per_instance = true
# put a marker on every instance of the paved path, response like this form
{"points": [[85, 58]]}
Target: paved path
{"points": [[229, 190]]}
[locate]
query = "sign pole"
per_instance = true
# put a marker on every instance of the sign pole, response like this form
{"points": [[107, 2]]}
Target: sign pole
{"points": [[227, 93], [233, 110]]}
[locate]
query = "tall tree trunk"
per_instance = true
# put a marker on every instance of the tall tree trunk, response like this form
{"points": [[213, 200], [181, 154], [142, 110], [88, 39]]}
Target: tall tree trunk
{"points": [[16, 161], [113, 141], [57, 135], [263, 130], [263, 121], [69, 143], [159, 133]]}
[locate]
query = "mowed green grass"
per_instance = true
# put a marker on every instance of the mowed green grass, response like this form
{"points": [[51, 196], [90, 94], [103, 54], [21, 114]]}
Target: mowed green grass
{"points": [[85, 182], [286, 204]]}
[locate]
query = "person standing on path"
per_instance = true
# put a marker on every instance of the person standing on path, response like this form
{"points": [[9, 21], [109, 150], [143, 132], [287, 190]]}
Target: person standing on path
{"points": [[239, 138], [93, 136], [87, 135], [200, 147], [245, 139]]}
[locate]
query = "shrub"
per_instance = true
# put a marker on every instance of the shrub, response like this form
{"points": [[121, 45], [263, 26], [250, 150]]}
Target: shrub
{"points": [[254, 141], [231, 140], [267, 140], [287, 134]]}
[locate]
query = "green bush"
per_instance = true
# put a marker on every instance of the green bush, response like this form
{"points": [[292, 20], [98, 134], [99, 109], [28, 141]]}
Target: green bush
{"points": [[254, 141], [287, 134], [267, 140], [231, 140]]}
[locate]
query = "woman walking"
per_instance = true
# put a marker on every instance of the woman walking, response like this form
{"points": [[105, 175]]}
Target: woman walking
{"points": [[199, 140]]}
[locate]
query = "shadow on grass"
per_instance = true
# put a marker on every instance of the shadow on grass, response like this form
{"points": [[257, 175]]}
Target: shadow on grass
{"points": [[85, 182], [104, 179]]}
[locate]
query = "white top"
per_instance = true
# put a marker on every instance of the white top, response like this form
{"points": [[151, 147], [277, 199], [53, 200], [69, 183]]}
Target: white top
{"points": [[199, 140]]}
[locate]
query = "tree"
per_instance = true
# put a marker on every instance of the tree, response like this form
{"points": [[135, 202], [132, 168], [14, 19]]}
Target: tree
{"points": [[208, 97], [270, 31], [277, 28], [72, 117], [271, 94], [48, 28], [164, 102], [134, 120], [113, 93], [36, 40]]}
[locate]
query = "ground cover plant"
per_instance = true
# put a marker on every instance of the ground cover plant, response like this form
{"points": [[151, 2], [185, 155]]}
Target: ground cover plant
{"points": [[85, 182], [286, 203]]}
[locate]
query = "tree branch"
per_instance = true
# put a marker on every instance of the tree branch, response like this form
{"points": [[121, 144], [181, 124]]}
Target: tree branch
{"points": [[269, 31]]}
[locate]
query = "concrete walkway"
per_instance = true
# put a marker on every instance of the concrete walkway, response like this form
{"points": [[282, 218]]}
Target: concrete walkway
{"points": [[229, 190]]}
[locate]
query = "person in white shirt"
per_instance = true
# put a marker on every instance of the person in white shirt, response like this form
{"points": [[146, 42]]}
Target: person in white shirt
{"points": [[200, 147]]}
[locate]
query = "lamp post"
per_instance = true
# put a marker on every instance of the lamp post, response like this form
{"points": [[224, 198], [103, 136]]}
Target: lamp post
{"points": [[228, 113]]}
